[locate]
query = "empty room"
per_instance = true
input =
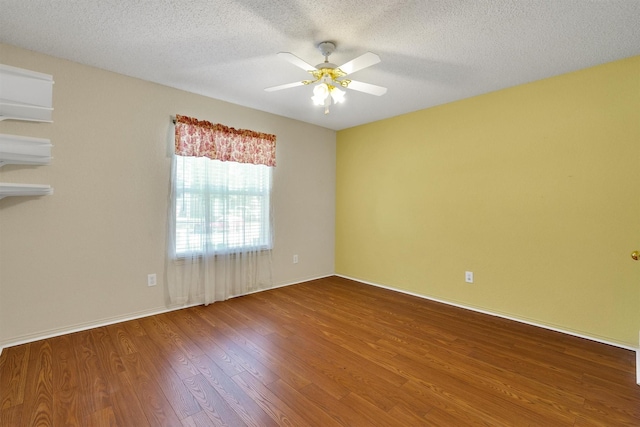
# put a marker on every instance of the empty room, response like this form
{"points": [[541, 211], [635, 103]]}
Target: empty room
{"points": [[298, 213]]}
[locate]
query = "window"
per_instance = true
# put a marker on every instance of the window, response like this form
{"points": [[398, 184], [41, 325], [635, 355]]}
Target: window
{"points": [[221, 206], [221, 190]]}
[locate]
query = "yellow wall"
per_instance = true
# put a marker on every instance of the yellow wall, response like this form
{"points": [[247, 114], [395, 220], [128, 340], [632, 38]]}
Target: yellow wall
{"points": [[536, 189]]}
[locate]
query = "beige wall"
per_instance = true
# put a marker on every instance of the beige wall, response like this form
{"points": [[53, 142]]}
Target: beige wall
{"points": [[81, 256], [536, 189]]}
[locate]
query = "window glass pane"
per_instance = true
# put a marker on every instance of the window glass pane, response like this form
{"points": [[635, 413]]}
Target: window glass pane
{"points": [[221, 206]]}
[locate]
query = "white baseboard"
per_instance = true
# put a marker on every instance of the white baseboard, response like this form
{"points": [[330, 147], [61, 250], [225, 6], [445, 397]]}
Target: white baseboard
{"points": [[286, 284], [145, 313], [87, 325], [490, 313], [118, 319]]}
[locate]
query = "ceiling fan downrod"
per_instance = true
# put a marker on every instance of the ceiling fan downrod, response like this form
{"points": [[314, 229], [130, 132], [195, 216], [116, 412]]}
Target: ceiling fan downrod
{"points": [[326, 49]]}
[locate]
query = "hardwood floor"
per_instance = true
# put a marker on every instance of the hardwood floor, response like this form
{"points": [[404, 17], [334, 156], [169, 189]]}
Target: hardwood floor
{"points": [[329, 352]]}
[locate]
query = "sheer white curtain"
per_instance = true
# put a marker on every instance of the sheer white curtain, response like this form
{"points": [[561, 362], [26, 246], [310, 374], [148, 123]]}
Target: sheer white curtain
{"points": [[220, 215]]}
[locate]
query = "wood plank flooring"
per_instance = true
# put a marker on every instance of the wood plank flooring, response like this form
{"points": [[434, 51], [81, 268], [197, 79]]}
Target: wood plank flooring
{"points": [[330, 352]]}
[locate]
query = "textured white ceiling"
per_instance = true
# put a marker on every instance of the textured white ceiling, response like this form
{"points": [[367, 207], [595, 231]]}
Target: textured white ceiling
{"points": [[432, 51]]}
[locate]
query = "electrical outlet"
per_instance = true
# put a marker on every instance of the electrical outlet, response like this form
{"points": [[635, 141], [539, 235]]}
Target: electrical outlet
{"points": [[468, 276], [295, 259], [151, 279]]}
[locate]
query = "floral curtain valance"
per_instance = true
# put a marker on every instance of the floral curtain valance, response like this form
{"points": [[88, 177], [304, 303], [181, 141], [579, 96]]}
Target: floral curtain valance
{"points": [[199, 138]]}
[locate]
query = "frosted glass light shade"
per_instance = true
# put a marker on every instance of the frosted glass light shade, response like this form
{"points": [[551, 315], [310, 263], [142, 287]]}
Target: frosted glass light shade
{"points": [[337, 95], [320, 93]]}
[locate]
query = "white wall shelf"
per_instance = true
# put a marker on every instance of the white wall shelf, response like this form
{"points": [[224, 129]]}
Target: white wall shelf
{"points": [[25, 95], [24, 150], [7, 190]]}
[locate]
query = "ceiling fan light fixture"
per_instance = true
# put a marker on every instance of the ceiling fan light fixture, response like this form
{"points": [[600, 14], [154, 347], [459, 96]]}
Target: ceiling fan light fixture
{"points": [[324, 94]]}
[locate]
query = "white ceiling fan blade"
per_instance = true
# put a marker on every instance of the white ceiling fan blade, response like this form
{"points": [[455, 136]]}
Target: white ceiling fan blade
{"points": [[367, 88], [288, 56], [363, 61], [284, 86]]}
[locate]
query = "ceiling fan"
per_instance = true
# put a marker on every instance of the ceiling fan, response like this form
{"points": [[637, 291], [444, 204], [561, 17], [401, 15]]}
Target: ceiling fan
{"points": [[329, 77]]}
